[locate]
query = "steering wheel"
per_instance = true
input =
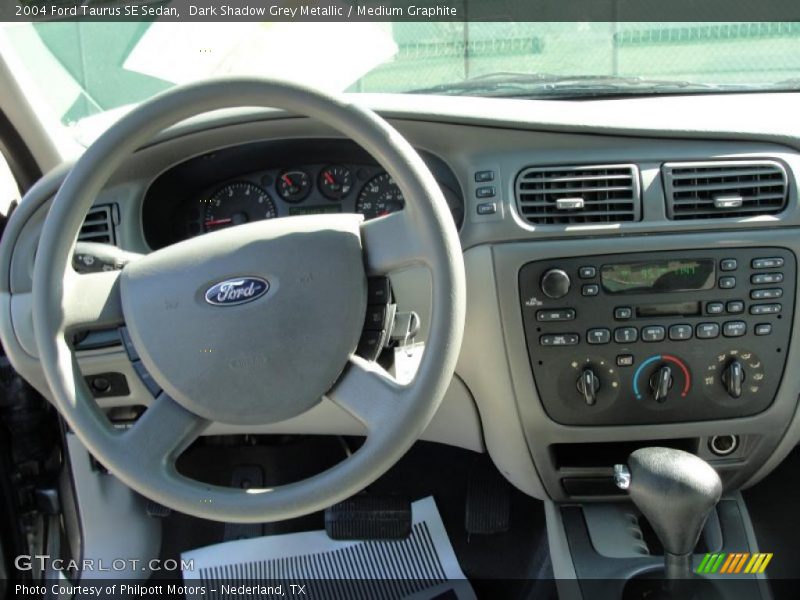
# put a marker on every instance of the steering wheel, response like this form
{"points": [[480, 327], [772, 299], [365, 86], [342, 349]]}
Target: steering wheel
{"points": [[276, 340]]}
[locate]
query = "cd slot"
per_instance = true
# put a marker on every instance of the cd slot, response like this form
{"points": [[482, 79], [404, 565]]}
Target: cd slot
{"points": [[669, 309]]}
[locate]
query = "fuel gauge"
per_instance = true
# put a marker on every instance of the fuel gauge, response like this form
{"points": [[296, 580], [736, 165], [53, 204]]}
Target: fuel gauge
{"points": [[293, 186], [335, 182]]}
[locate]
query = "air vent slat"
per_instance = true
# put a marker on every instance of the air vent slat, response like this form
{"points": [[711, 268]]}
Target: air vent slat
{"points": [[696, 190], [98, 226], [600, 194]]}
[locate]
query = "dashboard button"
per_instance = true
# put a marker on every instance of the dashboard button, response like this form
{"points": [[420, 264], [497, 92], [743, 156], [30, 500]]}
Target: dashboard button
{"points": [[767, 263], [559, 339], [707, 331], [766, 293], [765, 309], [734, 329], [555, 283], [565, 314], [128, 343], [378, 290], [598, 336], [728, 264], [487, 208], [735, 307], [715, 308], [727, 283], [483, 176], [590, 289], [376, 315], [761, 278], [623, 313], [146, 378], [625, 360], [486, 191], [653, 333], [626, 335], [763, 329], [587, 272], [680, 332]]}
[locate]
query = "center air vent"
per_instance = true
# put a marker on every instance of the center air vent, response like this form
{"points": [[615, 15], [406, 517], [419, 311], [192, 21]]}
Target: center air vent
{"points": [[724, 189], [583, 194], [99, 225]]}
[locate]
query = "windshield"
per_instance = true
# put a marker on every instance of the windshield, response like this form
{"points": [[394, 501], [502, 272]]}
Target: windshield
{"points": [[85, 74]]}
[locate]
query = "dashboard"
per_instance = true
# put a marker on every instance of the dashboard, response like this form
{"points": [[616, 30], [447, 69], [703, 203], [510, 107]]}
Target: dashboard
{"points": [[629, 282], [269, 180]]}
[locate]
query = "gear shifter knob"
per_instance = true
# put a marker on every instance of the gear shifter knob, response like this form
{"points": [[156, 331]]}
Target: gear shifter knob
{"points": [[675, 491]]}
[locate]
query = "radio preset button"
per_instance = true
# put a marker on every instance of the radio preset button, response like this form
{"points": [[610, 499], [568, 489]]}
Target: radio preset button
{"points": [[766, 293], [735, 307], [767, 263], [762, 278], [587, 272], [559, 339], [623, 313], [590, 289], [765, 309], [728, 264], [625, 360], [626, 335], [734, 329], [707, 331], [680, 332], [715, 308], [763, 329], [727, 283], [653, 333], [598, 336], [565, 314], [555, 283]]}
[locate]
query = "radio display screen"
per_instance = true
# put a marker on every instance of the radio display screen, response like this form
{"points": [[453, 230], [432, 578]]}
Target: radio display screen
{"points": [[679, 275]]}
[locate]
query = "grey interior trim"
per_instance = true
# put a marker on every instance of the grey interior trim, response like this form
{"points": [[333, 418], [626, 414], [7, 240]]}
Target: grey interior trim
{"points": [[560, 554], [102, 503]]}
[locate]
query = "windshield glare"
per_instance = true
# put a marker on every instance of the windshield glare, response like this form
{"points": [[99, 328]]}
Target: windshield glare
{"points": [[85, 73]]}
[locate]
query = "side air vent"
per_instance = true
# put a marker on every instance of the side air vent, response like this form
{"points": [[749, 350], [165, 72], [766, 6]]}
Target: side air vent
{"points": [[99, 225], [582, 194], [724, 189]]}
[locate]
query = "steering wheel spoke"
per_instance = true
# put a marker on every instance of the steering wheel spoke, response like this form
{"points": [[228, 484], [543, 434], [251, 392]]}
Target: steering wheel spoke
{"points": [[369, 393], [391, 243], [92, 300], [164, 431]]}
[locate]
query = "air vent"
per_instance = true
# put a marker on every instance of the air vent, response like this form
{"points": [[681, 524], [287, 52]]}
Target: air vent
{"points": [[99, 225], [724, 189], [583, 194]]}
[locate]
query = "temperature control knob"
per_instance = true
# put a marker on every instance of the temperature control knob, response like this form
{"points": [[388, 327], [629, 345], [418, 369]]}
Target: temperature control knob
{"points": [[733, 378], [555, 283], [661, 383], [588, 384]]}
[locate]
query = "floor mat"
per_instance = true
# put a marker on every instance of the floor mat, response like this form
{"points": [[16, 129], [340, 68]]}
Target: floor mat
{"points": [[423, 566]]}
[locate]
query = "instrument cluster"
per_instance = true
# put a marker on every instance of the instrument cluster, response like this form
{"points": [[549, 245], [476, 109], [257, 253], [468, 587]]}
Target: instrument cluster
{"points": [[301, 190]]}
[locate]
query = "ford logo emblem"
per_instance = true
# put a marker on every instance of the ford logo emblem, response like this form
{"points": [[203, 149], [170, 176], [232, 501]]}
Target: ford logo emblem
{"points": [[236, 291]]}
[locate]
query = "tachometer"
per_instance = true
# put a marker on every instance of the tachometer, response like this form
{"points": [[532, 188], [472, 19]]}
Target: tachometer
{"points": [[236, 203], [335, 182], [380, 197], [293, 186]]}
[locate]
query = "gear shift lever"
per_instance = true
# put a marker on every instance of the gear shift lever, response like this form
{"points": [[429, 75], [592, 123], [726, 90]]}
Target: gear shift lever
{"points": [[675, 491]]}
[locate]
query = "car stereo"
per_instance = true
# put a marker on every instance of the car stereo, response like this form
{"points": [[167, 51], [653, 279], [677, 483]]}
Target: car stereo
{"points": [[658, 337]]}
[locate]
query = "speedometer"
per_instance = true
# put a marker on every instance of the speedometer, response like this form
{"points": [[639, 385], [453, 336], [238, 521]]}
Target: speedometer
{"points": [[380, 197], [236, 203]]}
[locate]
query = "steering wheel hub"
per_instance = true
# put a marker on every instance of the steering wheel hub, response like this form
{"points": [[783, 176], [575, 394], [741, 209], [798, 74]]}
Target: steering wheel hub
{"points": [[262, 352]]}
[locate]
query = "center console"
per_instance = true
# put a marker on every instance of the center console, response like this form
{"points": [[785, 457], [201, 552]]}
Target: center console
{"points": [[658, 337]]}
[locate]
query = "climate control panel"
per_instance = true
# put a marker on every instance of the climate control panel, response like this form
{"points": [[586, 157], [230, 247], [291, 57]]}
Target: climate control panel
{"points": [[658, 337]]}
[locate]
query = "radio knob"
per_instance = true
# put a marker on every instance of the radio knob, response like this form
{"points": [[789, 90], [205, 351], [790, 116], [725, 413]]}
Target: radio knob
{"points": [[555, 283], [661, 383], [588, 384], [733, 378]]}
